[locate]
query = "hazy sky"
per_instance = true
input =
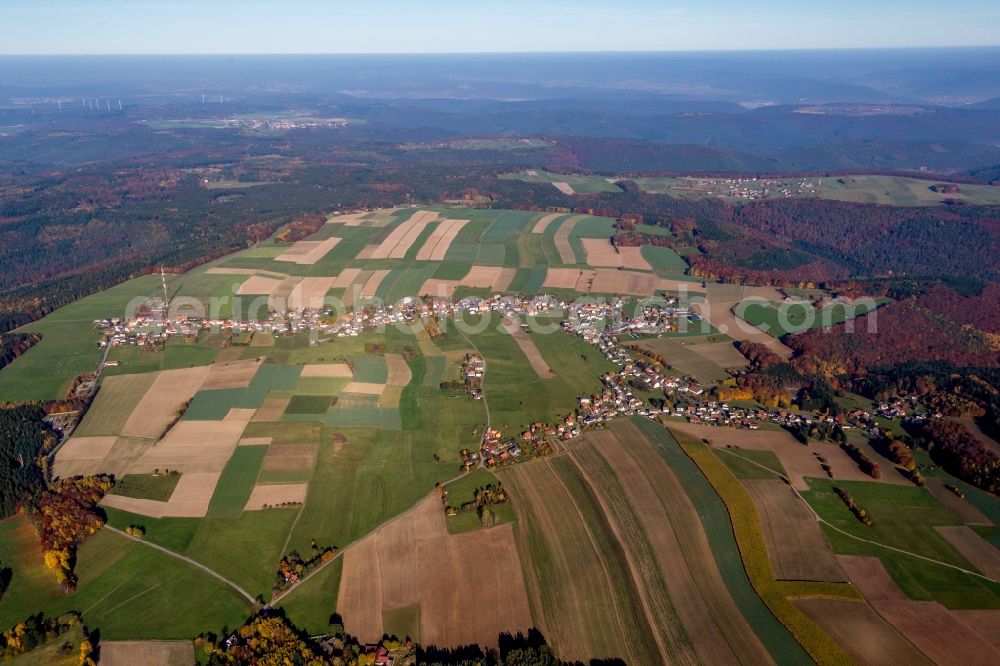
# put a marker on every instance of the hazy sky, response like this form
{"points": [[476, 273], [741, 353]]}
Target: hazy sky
{"points": [[442, 26]]}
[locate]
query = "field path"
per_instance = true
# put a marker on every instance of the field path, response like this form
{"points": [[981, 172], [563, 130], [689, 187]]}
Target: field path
{"points": [[198, 565], [833, 527], [400, 516], [482, 389]]}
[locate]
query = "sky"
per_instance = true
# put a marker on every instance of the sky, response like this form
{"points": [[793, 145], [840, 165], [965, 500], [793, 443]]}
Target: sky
{"points": [[485, 26]]}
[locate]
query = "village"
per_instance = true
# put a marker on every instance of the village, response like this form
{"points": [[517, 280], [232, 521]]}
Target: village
{"points": [[753, 189], [599, 322]]}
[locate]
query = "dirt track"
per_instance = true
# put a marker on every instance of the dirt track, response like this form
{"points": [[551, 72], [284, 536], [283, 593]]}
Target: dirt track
{"points": [[527, 345]]}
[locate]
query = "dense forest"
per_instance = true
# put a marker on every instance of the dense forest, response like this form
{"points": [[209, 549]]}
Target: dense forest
{"points": [[940, 325], [25, 438], [15, 344], [270, 637], [70, 232]]}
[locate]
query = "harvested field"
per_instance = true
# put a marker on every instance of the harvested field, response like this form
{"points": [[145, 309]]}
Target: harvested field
{"points": [[403, 563], [371, 285], [600, 252], [862, 633], [403, 236], [399, 370], [307, 253], [160, 405], [366, 252], [870, 577], [195, 446], [345, 278], [190, 498], [682, 287], [310, 293], [527, 345], [255, 441], [565, 188], [679, 544], [259, 285], [440, 240], [390, 396], [503, 280], [561, 238], [723, 354], [718, 310], [563, 278], [482, 277], [290, 456], [797, 459], [225, 270], [983, 555], [114, 403], [544, 222], [82, 455], [984, 622], [147, 653], [963, 508], [82, 448], [279, 299], [439, 288], [939, 634], [271, 409], [613, 281], [118, 459], [796, 546], [365, 388], [235, 374], [326, 370], [263, 497]]}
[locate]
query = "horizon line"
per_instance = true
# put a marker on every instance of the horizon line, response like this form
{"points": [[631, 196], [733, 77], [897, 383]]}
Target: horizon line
{"points": [[816, 49]]}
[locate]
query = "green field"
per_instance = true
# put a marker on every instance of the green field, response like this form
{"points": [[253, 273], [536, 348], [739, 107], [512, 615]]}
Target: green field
{"points": [[373, 462], [126, 589], [308, 404], [904, 517], [462, 490], [580, 184], [785, 318], [403, 622], [678, 353], [664, 259], [69, 343], [876, 189], [237, 482], [744, 465], [147, 486]]}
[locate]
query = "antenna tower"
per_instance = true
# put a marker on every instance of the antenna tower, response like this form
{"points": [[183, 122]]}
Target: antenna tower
{"points": [[166, 302]]}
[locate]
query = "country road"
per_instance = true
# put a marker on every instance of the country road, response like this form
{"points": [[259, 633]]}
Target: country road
{"points": [[294, 586], [482, 390]]}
